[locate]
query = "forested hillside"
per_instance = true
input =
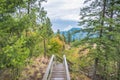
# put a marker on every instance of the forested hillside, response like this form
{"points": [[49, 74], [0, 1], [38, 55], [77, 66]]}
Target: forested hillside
{"points": [[25, 31], [102, 17], [27, 41]]}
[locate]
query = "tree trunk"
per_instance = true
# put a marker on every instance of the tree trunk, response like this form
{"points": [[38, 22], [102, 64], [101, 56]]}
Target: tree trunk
{"points": [[103, 16], [101, 32], [95, 69], [111, 17], [28, 7], [44, 42]]}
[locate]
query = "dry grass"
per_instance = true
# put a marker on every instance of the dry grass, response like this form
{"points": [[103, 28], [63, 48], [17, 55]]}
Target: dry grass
{"points": [[33, 71], [36, 70]]}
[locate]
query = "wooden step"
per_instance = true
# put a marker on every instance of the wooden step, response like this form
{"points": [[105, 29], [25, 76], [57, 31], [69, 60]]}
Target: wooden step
{"points": [[58, 76], [57, 79], [58, 69], [58, 72]]}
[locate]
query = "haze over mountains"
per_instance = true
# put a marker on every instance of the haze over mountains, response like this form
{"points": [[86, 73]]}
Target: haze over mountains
{"points": [[75, 36]]}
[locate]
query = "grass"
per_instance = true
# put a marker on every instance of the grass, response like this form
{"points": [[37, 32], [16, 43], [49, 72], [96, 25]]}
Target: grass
{"points": [[36, 70]]}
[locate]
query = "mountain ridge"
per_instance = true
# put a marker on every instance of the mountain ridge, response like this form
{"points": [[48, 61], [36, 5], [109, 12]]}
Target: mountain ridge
{"points": [[74, 35]]}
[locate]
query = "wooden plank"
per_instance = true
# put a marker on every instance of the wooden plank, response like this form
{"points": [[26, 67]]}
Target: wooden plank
{"points": [[57, 79], [58, 72], [58, 76]]}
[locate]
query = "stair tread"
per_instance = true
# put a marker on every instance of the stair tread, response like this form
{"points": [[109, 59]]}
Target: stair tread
{"points": [[58, 72], [57, 79]]}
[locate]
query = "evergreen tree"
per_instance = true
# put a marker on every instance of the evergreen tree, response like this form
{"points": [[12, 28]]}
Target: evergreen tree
{"points": [[20, 33], [58, 31], [68, 37], [100, 18], [45, 28], [64, 38]]}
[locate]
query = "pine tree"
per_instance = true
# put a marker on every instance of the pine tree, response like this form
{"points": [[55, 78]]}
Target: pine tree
{"points": [[16, 44], [64, 38], [68, 37], [58, 31], [45, 28], [99, 18]]}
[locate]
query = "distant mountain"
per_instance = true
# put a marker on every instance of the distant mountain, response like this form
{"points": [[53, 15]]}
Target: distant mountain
{"points": [[75, 36], [74, 29]]}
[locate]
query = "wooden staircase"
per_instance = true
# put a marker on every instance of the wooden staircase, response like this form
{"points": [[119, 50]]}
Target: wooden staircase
{"points": [[57, 70]]}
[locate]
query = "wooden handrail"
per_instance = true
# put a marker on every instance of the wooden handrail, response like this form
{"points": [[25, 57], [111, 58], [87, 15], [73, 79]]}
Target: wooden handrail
{"points": [[46, 75], [66, 67], [48, 72]]}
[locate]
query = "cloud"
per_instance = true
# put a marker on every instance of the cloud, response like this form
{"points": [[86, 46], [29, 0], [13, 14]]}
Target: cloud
{"points": [[63, 9], [68, 28], [72, 17], [62, 24], [64, 14]]}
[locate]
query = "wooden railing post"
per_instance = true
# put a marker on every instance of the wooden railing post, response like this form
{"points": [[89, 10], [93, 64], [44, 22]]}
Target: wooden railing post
{"points": [[47, 73], [66, 67]]}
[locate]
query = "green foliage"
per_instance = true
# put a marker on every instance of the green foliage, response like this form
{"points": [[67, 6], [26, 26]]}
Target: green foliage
{"points": [[21, 34], [76, 43], [101, 21], [68, 37], [9, 6], [14, 55], [45, 29], [55, 45]]}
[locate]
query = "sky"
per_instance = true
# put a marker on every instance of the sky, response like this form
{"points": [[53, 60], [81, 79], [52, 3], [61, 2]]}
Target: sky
{"points": [[64, 14]]}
